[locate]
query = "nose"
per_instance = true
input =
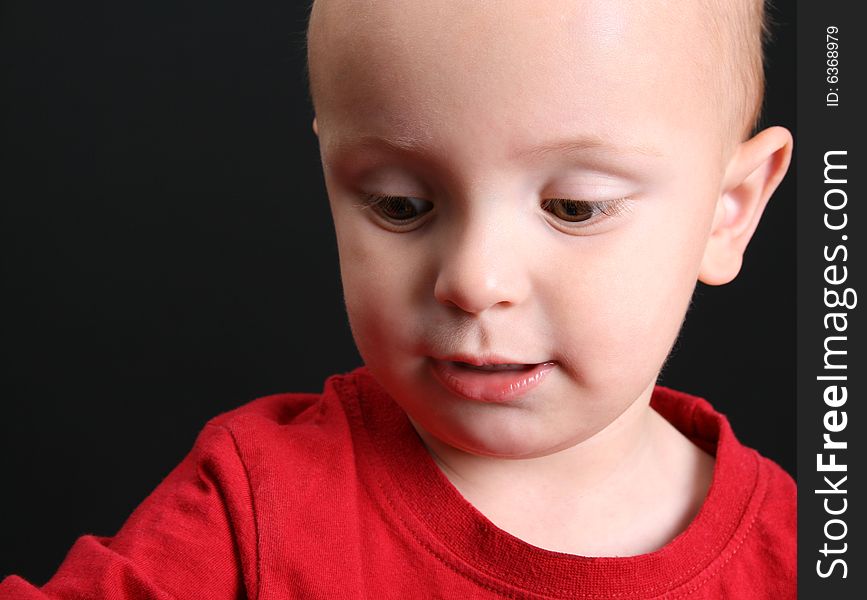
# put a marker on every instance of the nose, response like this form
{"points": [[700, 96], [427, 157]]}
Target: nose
{"points": [[481, 269]]}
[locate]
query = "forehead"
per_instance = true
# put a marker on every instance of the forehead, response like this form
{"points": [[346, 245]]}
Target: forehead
{"points": [[525, 71]]}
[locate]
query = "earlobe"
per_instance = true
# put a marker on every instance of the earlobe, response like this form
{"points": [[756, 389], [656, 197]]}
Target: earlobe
{"points": [[752, 175], [315, 127]]}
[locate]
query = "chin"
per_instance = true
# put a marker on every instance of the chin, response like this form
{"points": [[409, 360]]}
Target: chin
{"points": [[510, 440]]}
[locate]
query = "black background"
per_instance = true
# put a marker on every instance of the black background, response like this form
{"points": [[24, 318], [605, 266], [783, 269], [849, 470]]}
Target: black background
{"points": [[167, 254]]}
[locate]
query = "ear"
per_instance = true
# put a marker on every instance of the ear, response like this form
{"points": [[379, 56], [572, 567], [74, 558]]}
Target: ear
{"points": [[754, 172], [315, 127]]}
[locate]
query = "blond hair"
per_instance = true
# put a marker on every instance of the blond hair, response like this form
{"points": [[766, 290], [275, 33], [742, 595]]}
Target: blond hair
{"points": [[738, 31]]}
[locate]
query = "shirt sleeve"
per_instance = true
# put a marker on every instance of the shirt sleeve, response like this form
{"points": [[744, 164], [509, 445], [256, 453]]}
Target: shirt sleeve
{"points": [[193, 537]]}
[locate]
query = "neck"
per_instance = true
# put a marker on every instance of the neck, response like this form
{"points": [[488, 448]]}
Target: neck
{"points": [[609, 456], [628, 489]]}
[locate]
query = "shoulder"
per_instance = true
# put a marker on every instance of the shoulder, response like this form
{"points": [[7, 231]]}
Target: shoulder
{"points": [[298, 412], [776, 523], [768, 550], [287, 430], [709, 429], [752, 502]]}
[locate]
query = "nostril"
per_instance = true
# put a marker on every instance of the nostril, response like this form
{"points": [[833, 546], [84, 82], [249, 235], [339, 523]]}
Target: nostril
{"points": [[473, 296], [474, 275]]}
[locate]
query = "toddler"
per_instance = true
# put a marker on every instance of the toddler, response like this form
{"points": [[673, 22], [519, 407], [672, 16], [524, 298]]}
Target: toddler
{"points": [[524, 195]]}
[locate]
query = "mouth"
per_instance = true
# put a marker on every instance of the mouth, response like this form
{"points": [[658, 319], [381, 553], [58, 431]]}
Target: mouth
{"points": [[490, 380], [493, 367]]}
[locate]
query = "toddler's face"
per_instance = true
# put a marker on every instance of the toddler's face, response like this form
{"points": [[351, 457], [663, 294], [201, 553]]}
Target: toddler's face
{"points": [[555, 169]]}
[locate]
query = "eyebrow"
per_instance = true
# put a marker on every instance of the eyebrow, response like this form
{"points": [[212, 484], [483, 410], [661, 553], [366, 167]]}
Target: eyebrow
{"points": [[393, 145], [583, 144], [417, 146]]}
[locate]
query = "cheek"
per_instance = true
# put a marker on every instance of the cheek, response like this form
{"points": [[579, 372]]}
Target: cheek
{"points": [[377, 288], [624, 307]]}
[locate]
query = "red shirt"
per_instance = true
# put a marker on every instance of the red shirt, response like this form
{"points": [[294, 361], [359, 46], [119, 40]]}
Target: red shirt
{"points": [[333, 495]]}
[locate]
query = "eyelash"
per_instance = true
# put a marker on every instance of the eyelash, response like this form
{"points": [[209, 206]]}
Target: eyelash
{"points": [[373, 201], [608, 208]]}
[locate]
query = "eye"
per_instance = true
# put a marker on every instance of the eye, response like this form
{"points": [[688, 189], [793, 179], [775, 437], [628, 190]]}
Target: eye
{"points": [[397, 209], [578, 211], [573, 211]]}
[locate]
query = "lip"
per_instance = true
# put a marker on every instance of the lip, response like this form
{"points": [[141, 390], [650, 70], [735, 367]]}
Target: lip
{"points": [[491, 386]]}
